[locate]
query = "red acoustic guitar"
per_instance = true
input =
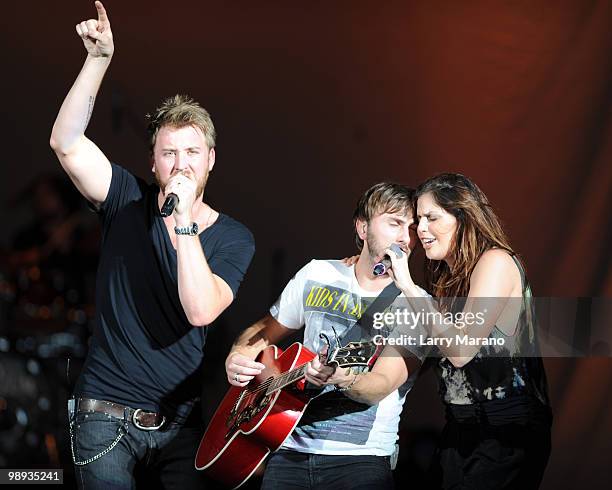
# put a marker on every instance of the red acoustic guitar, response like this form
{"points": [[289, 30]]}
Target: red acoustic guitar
{"points": [[254, 421]]}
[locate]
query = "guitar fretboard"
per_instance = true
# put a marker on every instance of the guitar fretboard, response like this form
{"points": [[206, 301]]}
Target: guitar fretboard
{"points": [[286, 379]]}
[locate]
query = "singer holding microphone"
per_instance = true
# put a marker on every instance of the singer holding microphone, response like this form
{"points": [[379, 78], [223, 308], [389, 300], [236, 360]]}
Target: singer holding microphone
{"points": [[492, 379], [340, 443], [162, 278]]}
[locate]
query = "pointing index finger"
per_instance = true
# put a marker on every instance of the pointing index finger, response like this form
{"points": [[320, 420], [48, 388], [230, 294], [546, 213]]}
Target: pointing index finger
{"points": [[102, 16]]}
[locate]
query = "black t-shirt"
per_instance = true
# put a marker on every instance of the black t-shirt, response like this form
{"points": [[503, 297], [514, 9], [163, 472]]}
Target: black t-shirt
{"points": [[144, 353]]}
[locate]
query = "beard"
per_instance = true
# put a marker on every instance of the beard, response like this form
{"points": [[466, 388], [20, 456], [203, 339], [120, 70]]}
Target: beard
{"points": [[200, 183], [375, 248]]}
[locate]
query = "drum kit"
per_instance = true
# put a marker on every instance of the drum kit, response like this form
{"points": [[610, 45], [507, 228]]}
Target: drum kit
{"points": [[43, 332]]}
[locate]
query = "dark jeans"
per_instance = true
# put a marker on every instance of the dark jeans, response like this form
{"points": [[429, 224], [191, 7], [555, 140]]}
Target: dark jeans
{"points": [[509, 457], [167, 453], [293, 470], [503, 444]]}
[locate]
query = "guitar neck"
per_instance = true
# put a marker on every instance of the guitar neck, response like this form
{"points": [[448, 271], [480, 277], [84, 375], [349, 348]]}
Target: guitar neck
{"points": [[354, 354], [286, 379]]}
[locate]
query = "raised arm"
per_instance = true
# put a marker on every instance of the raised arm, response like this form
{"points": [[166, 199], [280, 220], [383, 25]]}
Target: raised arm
{"points": [[82, 160]]}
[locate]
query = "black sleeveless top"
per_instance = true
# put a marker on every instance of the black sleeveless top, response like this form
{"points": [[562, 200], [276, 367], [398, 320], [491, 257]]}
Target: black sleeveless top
{"points": [[500, 373]]}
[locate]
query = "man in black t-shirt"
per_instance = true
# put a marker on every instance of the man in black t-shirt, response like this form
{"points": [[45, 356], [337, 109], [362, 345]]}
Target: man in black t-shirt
{"points": [[160, 281]]}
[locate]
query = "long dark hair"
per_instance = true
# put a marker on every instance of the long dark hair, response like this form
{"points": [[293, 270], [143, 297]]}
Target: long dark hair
{"points": [[478, 230]]}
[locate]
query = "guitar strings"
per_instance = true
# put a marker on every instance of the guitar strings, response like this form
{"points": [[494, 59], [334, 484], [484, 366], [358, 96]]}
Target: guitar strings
{"points": [[283, 376], [268, 382]]}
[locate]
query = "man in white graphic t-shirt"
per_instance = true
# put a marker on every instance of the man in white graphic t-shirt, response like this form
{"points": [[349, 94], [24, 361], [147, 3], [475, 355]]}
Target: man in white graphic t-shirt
{"points": [[347, 435]]}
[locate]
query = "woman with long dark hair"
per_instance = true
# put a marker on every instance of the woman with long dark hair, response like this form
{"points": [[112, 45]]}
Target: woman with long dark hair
{"points": [[492, 379], [480, 322]]}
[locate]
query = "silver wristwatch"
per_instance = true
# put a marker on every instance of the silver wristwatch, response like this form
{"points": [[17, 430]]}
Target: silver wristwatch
{"points": [[192, 229]]}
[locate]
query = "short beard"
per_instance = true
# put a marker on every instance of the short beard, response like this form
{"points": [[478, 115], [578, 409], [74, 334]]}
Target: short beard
{"points": [[375, 249], [201, 184]]}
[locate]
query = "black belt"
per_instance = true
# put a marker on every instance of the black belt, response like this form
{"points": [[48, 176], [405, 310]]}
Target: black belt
{"points": [[140, 418]]}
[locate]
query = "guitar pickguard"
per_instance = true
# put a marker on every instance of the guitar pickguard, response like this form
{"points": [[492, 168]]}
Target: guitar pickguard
{"points": [[246, 407]]}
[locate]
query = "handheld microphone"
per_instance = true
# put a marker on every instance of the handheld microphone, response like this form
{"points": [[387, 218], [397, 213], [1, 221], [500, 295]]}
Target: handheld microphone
{"points": [[384, 265], [169, 205]]}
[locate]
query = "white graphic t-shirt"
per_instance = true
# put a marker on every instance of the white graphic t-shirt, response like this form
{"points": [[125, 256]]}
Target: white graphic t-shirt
{"points": [[322, 295]]}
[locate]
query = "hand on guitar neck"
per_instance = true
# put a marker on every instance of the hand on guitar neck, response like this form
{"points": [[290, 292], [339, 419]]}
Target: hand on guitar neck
{"points": [[321, 374], [253, 421], [240, 370]]}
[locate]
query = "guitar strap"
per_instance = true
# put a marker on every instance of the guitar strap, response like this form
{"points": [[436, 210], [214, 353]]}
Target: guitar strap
{"points": [[363, 329]]}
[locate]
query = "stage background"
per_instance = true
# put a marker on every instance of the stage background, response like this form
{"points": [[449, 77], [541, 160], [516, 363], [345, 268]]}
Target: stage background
{"points": [[315, 101]]}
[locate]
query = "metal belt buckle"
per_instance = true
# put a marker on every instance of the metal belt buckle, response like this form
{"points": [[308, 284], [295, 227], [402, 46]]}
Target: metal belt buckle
{"points": [[142, 427]]}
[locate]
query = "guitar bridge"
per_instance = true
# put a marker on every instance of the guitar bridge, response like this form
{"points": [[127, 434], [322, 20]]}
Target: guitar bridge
{"points": [[242, 414]]}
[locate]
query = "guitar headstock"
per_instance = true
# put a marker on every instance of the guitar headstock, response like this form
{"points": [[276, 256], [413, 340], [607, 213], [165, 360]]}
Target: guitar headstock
{"points": [[354, 354]]}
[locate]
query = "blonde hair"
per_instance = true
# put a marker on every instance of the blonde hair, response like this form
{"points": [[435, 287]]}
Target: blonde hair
{"points": [[180, 111], [384, 197]]}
